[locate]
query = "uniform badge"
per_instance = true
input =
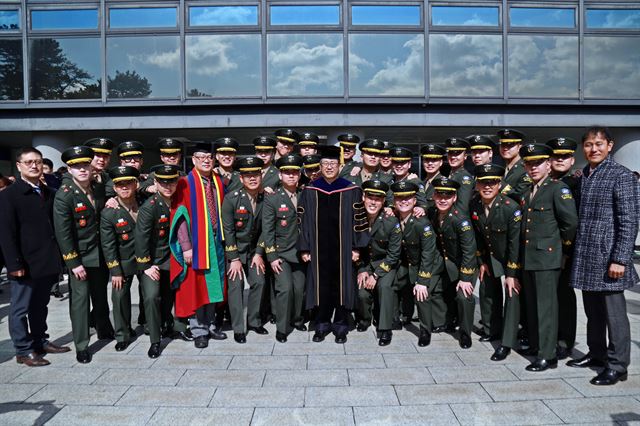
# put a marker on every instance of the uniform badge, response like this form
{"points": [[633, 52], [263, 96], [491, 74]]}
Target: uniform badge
{"points": [[125, 237], [427, 228], [80, 207], [82, 223], [283, 222], [161, 232], [517, 213], [474, 216], [121, 223], [465, 223], [163, 219], [239, 224], [283, 208], [242, 210]]}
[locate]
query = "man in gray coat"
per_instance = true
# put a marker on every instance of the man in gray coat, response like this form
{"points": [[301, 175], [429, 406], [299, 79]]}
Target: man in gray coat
{"points": [[602, 265]]}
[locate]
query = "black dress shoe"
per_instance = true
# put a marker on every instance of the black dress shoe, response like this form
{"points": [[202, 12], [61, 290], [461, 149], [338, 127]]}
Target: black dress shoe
{"points": [[586, 362], [488, 338], [424, 339], [121, 346], [258, 330], [608, 377], [217, 334], [240, 337], [500, 353], [57, 294], [318, 336], [542, 364], [362, 327], [465, 341], [83, 357], [563, 353], [281, 337], [300, 327], [341, 338], [385, 338], [450, 328], [184, 335], [439, 329], [201, 342], [154, 350]]}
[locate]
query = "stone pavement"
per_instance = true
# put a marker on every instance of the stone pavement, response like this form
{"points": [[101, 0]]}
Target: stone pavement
{"points": [[301, 382]]}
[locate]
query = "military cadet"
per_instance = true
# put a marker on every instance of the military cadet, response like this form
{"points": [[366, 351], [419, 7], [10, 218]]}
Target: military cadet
{"points": [[152, 255], [102, 148], [118, 244], [516, 180], [265, 149], [377, 269], [432, 159], [401, 160], [481, 147], [496, 219], [386, 165], [170, 153], [549, 226], [456, 155], [308, 144], [421, 265], [310, 169], [280, 233], [370, 152], [225, 150], [457, 245], [76, 218], [242, 222], [286, 140], [562, 161], [348, 143]]}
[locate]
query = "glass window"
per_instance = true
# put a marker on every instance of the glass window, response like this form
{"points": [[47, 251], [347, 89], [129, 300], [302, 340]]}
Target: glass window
{"points": [[468, 65], [542, 17], [620, 19], [385, 15], [305, 15], [225, 65], [543, 66], [305, 65], [11, 70], [465, 16], [612, 67], [64, 68], [69, 19], [386, 64], [223, 15], [143, 67], [9, 20], [147, 17]]}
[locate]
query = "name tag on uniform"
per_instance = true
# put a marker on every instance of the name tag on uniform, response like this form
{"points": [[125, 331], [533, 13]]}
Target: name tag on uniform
{"points": [[121, 223], [163, 219], [80, 207], [283, 208], [242, 210]]}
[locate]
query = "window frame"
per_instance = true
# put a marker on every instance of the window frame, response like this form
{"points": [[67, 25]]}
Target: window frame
{"points": [[222, 28], [12, 7], [143, 30], [464, 28], [612, 6], [544, 30], [57, 31], [385, 27], [271, 28]]}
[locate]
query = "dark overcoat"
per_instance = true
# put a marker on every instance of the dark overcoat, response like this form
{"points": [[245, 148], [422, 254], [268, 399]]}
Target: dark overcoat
{"points": [[609, 212]]}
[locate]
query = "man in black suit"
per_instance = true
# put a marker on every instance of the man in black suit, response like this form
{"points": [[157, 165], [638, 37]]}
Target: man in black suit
{"points": [[32, 257]]}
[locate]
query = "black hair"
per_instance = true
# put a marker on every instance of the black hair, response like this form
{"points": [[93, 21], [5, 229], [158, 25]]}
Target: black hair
{"points": [[597, 130]]}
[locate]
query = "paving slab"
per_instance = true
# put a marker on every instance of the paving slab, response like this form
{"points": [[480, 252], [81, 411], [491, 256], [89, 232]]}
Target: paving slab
{"points": [[215, 378], [18, 393], [192, 362], [441, 394], [143, 377], [389, 376], [108, 360], [307, 378], [309, 348], [79, 394], [93, 415], [474, 358], [167, 396], [56, 375], [8, 372], [440, 359], [629, 387], [530, 390], [505, 413], [172, 416], [401, 347], [258, 397], [350, 396], [471, 374], [243, 362], [578, 410], [233, 348], [411, 415], [345, 361], [561, 372], [303, 416], [27, 414]]}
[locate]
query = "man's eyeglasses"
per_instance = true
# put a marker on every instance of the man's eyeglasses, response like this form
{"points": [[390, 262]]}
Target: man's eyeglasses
{"points": [[134, 159], [30, 163], [330, 164], [203, 157]]}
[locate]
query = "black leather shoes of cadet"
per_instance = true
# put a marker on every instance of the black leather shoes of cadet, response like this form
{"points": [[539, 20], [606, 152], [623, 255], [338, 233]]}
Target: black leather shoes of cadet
{"points": [[319, 336], [184, 335], [500, 353], [542, 364], [83, 357], [425, 338], [385, 338], [258, 330], [217, 334], [488, 338], [281, 337], [121, 346], [341, 338], [609, 377], [586, 362], [154, 350], [240, 337], [201, 342], [465, 341], [361, 327]]}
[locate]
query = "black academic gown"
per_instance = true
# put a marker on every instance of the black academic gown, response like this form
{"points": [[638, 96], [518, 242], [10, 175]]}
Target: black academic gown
{"points": [[333, 222]]}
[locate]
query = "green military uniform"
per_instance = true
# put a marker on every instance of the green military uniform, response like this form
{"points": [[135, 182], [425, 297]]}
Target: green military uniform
{"points": [[498, 241], [456, 243], [516, 181], [286, 137], [308, 140], [461, 175], [431, 152], [77, 220], [402, 155], [280, 232], [270, 177], [369, 146], [348, 141], [242, 230], [102, 146], [380, 259], [231, 179], [118, 245], [152, 248], [549, 226]]}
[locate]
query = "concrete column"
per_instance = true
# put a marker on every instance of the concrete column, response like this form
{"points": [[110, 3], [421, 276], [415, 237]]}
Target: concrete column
{"points": [[51, 146]]}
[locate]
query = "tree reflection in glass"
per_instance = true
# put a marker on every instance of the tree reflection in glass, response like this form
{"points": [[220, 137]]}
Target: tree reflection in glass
{"points": [[11, 70]]}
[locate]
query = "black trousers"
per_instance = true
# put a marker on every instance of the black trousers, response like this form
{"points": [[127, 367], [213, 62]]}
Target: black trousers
{"points": [[28, 313], [340, 323], [607, 314]]}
